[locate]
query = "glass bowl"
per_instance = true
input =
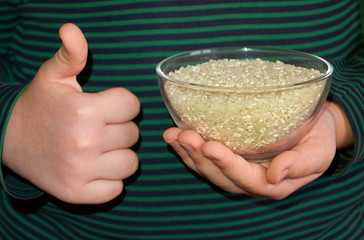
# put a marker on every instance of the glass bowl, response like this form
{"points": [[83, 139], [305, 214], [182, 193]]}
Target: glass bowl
{"points": [[257, 121]]}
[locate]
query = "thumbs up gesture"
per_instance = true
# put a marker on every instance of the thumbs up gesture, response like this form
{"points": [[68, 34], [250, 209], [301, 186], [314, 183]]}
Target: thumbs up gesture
{"points": [[72, 145]]}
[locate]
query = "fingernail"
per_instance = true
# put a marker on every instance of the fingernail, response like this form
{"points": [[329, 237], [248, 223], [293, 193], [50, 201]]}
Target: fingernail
{"points": [[187, 147], [211, 158], [174, 144], [283, 175]]}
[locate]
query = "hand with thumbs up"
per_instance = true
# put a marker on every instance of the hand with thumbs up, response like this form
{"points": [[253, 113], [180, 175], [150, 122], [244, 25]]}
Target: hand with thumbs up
{"points": [[72, 145]]}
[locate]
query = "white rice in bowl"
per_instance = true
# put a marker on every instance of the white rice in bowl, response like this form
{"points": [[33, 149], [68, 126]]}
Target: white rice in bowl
{"points": [[245, 121]]}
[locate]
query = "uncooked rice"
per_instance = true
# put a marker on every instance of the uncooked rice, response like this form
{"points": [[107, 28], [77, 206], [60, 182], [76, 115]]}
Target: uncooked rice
{"points": [[246, 120]]}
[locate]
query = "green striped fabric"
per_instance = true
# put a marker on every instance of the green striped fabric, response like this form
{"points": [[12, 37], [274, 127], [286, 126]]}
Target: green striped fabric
{"points": [[165, 200]]}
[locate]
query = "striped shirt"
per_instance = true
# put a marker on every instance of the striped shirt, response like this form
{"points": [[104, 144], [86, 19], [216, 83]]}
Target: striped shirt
{"points": [[165, 200]]}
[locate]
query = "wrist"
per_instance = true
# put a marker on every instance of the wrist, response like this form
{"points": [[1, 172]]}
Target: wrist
{"points": [[344, 133]]}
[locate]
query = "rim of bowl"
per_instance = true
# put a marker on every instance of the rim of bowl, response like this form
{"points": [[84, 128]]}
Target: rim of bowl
{"points": [[324, 75]]}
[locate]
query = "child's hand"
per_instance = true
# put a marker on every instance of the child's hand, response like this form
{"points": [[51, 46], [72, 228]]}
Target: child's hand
{"points": [[287, 172], [71, 144]]}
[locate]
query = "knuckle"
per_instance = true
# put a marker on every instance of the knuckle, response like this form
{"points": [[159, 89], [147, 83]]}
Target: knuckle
{"points": [[80, 141], [134, 132], [133, 158], [135, 166], [85, 112], [83, 143], [130, 99], [129, 135]]}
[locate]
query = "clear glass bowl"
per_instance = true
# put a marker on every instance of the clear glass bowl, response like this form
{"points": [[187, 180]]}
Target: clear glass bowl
{"points": [[257, 123]]}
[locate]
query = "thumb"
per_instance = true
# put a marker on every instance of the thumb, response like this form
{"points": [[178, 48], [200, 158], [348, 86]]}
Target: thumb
{"points": [[304, 160], [69, 60], [311, 156]]}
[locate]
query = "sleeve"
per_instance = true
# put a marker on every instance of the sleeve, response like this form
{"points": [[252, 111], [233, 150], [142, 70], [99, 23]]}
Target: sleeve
{"points": [[347, 90], [10, 90]]}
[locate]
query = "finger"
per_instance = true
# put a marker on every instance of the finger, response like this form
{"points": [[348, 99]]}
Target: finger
{"points": [[191, 140], [118, 136], [117, 105], [250, 177], [115, 165], [170, 136], [193, 143], [244, 175], [70, 59]]}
